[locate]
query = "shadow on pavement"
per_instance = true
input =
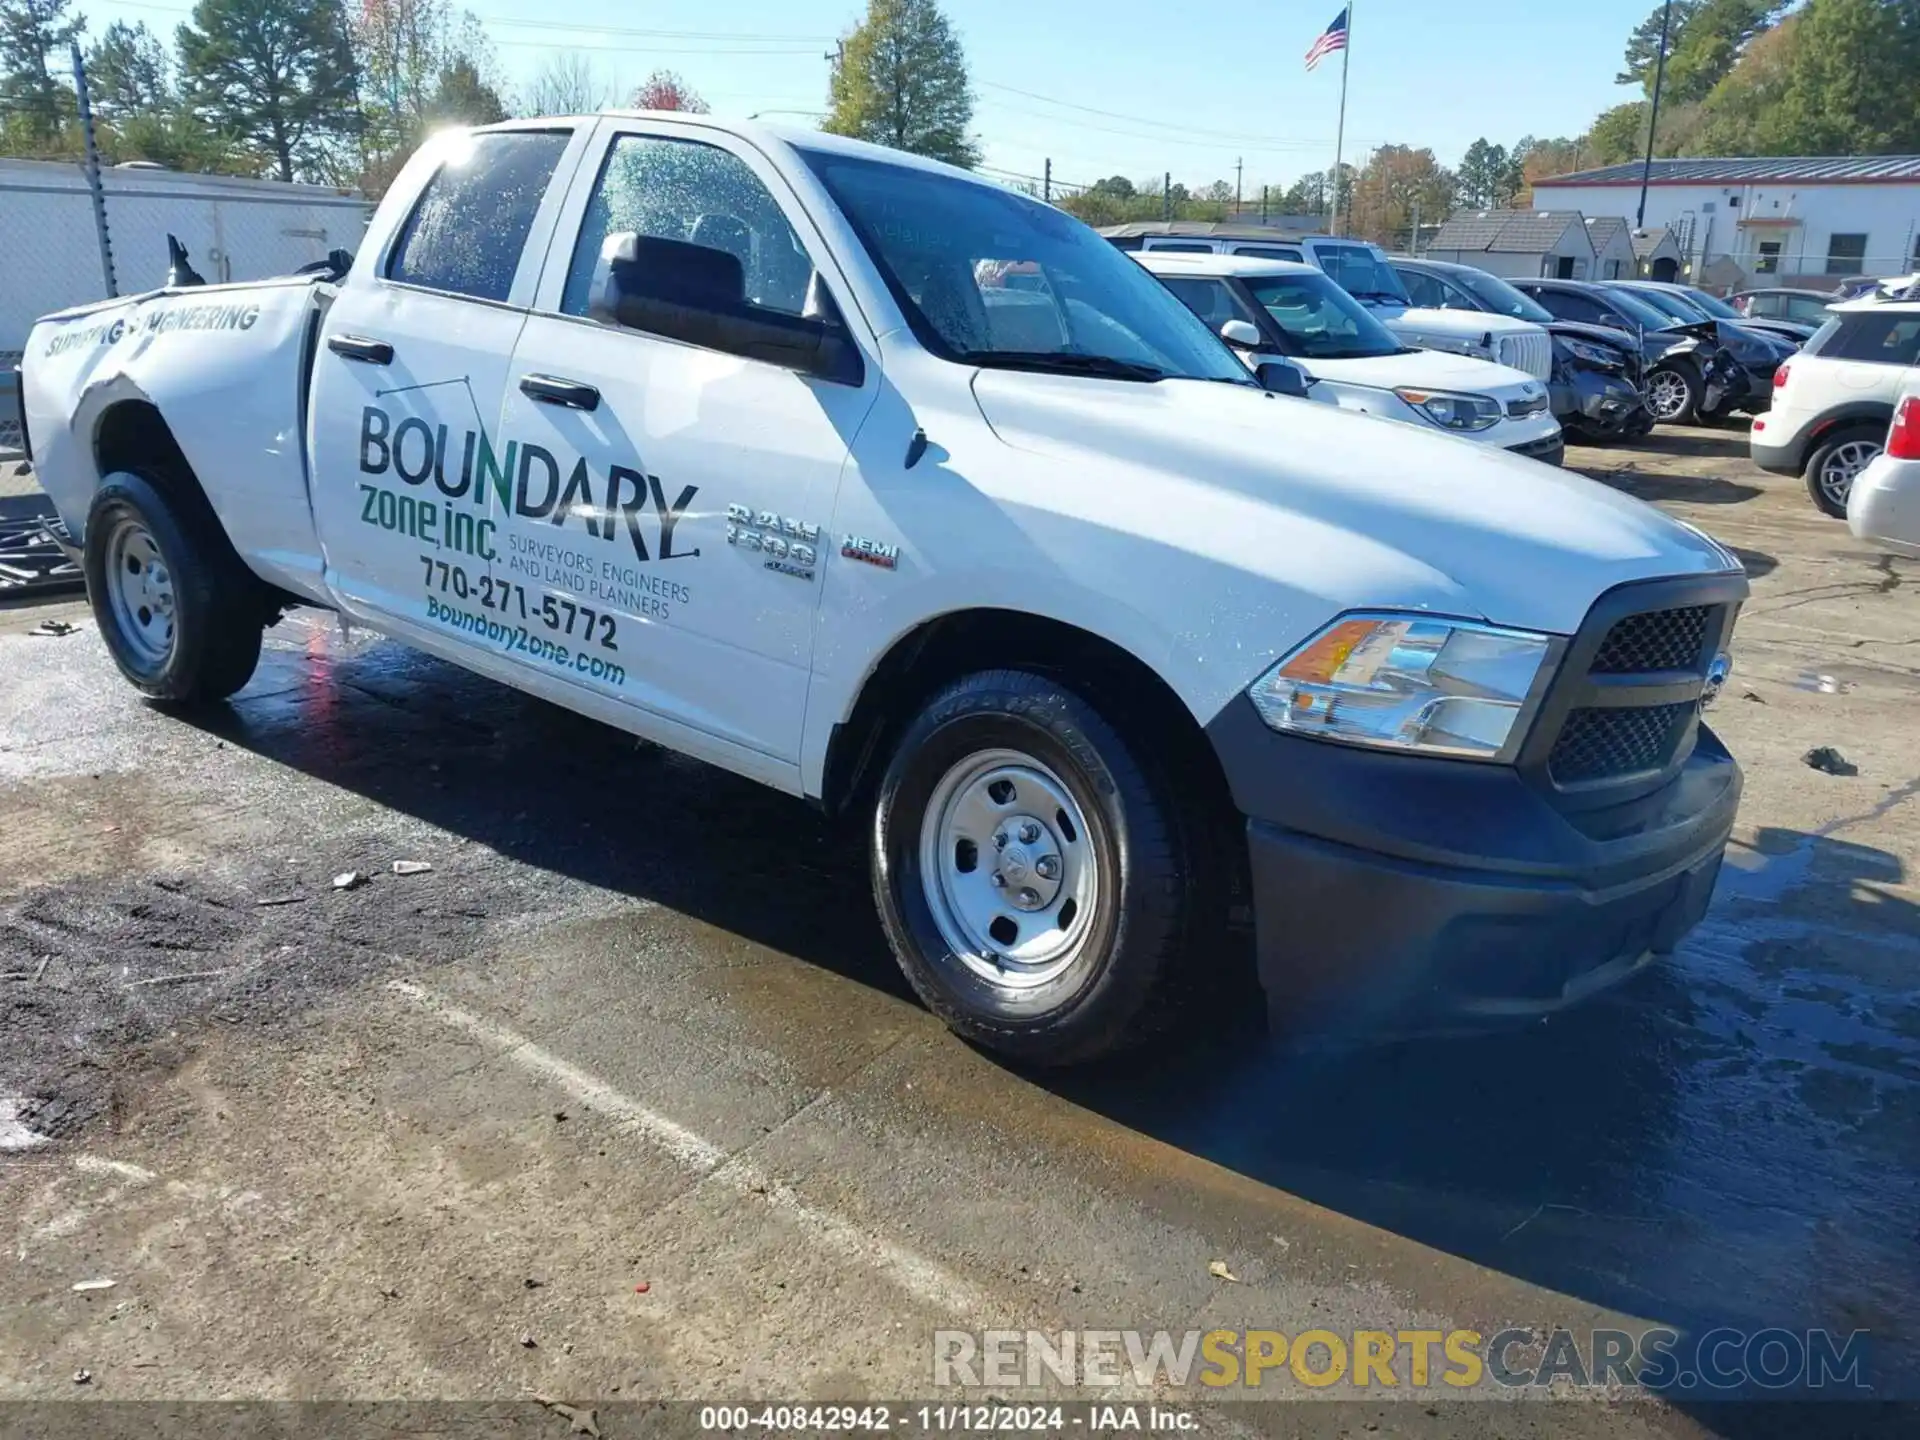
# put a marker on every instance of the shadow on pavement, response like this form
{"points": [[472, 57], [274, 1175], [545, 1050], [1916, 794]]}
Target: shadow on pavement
{"points": [[1696, 490], [1731, 1139]]}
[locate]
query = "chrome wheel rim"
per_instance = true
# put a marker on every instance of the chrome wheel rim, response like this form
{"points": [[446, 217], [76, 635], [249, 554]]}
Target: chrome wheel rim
{"points": [[1666, 395], [1840, 469], [140, 593], [1009, 870]]}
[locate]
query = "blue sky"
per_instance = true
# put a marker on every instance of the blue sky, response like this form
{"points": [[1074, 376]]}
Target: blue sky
{"points": [[1187, 87]]}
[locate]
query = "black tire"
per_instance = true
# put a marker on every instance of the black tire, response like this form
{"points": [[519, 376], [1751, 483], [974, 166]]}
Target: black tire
{"points": [[1695, 388], [1828, 494], [1123, 985], [218, 612]]}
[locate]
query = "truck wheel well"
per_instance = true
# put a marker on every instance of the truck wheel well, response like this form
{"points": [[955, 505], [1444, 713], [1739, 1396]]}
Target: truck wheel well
{"points": [[133, 435], [942, 650]]}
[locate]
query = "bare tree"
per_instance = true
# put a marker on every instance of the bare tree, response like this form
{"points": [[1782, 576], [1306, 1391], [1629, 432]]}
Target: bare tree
{"points": [[566, 85]]}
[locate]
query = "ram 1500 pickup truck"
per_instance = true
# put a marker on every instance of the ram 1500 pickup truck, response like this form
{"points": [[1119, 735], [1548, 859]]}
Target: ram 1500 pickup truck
{"points": [[901, 492]]}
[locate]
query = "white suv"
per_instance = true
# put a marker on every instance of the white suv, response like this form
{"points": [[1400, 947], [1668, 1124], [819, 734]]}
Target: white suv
{"points": [[1363, 270], [1833, 402], [1271, 310]]}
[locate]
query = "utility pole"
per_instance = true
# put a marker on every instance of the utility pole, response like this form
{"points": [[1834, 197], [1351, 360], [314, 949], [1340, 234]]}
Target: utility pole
{"points": [[1046, 184], [1653, 118], [93, 172], [1413, 242], [1166, 196], [1263, 204], [1239, 167]]}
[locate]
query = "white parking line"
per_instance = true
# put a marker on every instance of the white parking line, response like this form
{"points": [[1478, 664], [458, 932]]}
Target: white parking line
{"points": [[925, 1279]]}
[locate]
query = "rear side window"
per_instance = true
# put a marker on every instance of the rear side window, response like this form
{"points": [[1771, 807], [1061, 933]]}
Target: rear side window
{"points": [[1880, 337], [1128, 243], [1269, 252], [467, 232], [1181, 247]]}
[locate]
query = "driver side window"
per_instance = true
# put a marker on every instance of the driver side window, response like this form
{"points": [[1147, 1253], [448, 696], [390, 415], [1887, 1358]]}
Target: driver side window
{"points": [[1425, 291], [698, 193]]}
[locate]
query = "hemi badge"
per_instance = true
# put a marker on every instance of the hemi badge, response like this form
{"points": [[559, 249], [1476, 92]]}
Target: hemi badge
{"points": [[871, 552]]}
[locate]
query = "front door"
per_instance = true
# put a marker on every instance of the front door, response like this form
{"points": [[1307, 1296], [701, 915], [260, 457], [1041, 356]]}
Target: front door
{"points": [[670, 519], [408, 377]]}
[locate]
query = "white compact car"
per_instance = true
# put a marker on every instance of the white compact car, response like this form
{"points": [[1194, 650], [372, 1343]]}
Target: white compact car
{"points": [[1364, 272], [1270, 310], [1833, 401], [1884, 505]]}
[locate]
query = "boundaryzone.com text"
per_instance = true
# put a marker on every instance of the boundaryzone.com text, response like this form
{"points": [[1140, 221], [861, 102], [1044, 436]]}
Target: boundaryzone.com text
{"points": [[1450, 1362]]}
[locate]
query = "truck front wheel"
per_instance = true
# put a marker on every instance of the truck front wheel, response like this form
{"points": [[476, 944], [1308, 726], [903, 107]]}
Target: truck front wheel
{"points": [[180, 614], [1033, 885]]}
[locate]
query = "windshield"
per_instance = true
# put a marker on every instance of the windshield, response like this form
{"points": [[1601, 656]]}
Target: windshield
{"points": [[1673, 307], [1500, 297], [1323, 321], [1358, 271], [988, 277], [1713, 305], [1644, 314]]}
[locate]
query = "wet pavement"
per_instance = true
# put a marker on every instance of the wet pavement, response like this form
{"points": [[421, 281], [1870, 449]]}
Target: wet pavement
{"points": [[687, 968]]}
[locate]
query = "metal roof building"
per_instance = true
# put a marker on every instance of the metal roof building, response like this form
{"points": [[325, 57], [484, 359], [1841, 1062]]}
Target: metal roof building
{"points": [[1795, 218]]}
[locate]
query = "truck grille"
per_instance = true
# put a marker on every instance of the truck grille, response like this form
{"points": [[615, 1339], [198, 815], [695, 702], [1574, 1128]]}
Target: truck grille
{"points": [[1532, 353], [1598, 744], [1657, 640], [1625, 705]]}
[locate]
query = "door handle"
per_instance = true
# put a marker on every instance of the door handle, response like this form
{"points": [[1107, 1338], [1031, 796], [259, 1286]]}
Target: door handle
{"points": [[358, 347], [552, 390]]}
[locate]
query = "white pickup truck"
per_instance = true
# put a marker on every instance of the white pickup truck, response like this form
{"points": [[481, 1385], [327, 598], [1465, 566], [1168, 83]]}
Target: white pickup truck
{"points": [[910, 495]]}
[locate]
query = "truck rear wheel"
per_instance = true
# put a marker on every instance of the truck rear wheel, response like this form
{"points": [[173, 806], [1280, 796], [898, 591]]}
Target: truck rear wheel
{"points": [[180, 614], [1033, 885]]}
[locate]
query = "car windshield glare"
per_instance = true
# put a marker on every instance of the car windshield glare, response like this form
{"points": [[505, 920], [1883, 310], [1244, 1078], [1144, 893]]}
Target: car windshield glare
{"points": [[1500, 297], [985, 276], [1323, 320], [1714, 305], [1355, 269], [1674, 307]]}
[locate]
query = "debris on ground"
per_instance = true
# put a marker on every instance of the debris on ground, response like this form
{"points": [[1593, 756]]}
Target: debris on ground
{"points": [[83, 1377], [643, 1287], [580, 1418], [350, 879], [183, 977], [1829, 760], [388, 1292], [411, 867], [84, 1286], [1755, 696], [54, 628], [280, 900], [32, 976], [1218, 1269], [528, 1342]]}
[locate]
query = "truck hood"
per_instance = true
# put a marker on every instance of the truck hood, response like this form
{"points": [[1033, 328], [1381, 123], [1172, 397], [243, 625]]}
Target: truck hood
{"points": [[1366, 512], [1474, 323], [1428, 369]]}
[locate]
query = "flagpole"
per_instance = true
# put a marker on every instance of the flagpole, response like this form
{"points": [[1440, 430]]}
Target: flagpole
{"points": [[1340, 132]]}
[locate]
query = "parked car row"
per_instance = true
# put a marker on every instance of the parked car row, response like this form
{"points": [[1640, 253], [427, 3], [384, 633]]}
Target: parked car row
{"points": [[1617, 357]]}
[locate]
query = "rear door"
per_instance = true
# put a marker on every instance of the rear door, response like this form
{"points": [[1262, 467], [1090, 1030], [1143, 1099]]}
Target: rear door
{"points": [[671, 523], [409, 373]]}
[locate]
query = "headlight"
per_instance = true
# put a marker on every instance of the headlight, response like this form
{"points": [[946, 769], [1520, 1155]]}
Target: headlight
{"points": [[1451, 411], [1406, 682], [1592, 354]]}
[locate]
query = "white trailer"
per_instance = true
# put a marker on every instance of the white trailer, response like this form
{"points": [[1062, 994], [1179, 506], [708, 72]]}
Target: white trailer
{"points": [[234, 229]]}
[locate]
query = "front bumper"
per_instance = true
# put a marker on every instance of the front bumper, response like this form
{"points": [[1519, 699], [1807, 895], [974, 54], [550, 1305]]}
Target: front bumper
{"points": [[1596, 402], [1549, 451], [1396, 893]]}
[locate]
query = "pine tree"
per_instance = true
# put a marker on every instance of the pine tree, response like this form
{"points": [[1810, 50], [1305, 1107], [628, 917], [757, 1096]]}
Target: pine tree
{"points": [[278, 73], [34, 35]]}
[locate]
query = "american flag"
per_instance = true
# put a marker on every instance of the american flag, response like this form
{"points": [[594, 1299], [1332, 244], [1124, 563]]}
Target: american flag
{"points": [[1332, 39]]}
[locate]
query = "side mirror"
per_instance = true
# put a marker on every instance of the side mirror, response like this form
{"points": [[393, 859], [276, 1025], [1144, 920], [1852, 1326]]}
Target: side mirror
{"points": [[1241, 334], [697, 294], [1279, 377]]}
